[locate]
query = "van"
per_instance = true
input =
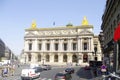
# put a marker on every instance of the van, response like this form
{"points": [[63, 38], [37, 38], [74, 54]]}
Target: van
{"points": [[29, 74]]}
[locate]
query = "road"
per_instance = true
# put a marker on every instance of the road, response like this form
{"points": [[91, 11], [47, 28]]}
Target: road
{"points": [[80, 74]]}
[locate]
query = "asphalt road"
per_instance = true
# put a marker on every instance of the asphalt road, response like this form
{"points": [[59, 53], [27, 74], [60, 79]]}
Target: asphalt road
{"points": [[80, 74]]}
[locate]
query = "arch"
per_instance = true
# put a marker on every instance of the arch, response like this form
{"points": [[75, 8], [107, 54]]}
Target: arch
{"points": [[85, 57], [74, 58], [65, 58], [56, 58], [47, 58], [29, 57], [39, 57]]}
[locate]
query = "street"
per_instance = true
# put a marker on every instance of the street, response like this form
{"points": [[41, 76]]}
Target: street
{"points": [[80, 74]]}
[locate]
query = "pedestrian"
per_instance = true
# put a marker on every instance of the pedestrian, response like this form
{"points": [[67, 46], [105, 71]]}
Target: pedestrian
{"points": [[103, 69], [13, 70], [2, 72], [5, 71]]}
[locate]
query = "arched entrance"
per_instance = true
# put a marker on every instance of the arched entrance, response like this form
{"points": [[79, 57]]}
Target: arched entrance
{"points": [[74, 58], [56, 58], [47, 58], [64, 58], [85, 57], [29, 57], [39, 57]]}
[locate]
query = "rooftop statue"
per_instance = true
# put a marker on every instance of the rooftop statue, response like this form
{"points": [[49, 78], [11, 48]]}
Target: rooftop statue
{"points": [[33, 26], [84, 21]]}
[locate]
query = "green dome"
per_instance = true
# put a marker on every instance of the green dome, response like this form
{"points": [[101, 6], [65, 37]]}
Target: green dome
{"points": [[69, 25]]}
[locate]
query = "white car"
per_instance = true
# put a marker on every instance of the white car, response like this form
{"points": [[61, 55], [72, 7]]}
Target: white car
{"points": [[29, 74]]}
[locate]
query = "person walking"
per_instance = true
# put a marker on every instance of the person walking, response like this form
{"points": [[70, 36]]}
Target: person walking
{"points": [[13, 70], [5, 71], [104, 69]]}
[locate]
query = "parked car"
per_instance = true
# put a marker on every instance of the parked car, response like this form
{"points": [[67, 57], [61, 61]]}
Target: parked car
{"points": [[63, 76], [29, 74], [70, 70], [46, 67], [38, 69]]}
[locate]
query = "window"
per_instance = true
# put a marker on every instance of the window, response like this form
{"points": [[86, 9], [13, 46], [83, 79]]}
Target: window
{"points": [[85, 46], [48, 46], [29, 57], [39, 57], [30, 46], [40, 46], [47, 58], [56, 46], [56, 58], [65, 46], [74, 46], [65, 58]]}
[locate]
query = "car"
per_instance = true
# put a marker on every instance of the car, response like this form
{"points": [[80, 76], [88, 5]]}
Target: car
{"points": [[63, 76], [38, 69], [70, 70], [46, 67], [29, 74]]}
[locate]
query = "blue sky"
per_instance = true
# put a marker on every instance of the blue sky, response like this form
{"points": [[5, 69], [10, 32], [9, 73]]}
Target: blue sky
{"points": [[17, 15]]}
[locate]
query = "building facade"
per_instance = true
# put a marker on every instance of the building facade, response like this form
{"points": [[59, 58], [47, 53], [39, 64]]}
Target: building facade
{"points": [[61, 45], [2, 49], [110, 20]]}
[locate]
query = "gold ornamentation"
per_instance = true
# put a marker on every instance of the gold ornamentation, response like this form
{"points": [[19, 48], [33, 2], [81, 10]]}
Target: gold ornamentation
{"points": [[33, 26], [85, 21]]}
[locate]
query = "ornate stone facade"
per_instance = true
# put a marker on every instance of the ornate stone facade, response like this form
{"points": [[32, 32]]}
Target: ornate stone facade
{"points": [[61, 45]]}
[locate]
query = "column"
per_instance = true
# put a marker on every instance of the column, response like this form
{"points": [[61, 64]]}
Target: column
{"points": [[35, 44], [35, 57], [60, 58], [60, 45], [69, 58], [26, 45], [92, 45], [51, 58], [43, 58], [81, 45], [32, 57], [43, 45], [69, 45], [78, 46], [89, 44], [52, 45], [25, 57], [80, 60]]}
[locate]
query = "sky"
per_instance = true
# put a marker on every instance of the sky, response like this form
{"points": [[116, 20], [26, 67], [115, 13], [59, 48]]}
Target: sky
{"points": [[17, 15]]}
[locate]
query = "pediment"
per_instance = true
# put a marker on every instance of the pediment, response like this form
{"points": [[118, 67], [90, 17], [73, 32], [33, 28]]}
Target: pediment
{"points": [[86, 32], [30, 34]]}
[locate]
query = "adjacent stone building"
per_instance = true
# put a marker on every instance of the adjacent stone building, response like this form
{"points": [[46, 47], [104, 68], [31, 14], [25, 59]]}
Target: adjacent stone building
{"points": [[61, 45], [2, 49], [110, 20]]}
